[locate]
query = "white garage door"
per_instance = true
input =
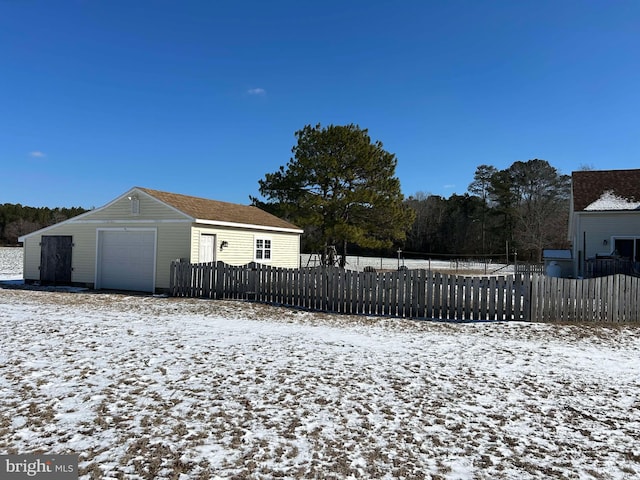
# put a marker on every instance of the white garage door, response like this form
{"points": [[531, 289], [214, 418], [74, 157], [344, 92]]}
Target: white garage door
{"points": [[126, 260]]}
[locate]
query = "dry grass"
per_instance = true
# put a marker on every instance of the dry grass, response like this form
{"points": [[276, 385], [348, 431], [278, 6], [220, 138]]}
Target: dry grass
{"points": [[151, 396]]}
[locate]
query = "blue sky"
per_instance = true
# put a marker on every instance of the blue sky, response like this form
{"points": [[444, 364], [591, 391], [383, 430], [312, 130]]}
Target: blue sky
{"points": [[203, 97]]}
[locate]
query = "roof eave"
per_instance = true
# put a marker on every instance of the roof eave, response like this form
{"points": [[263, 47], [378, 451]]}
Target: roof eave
{"points": [[220, 223], [617, 210]]}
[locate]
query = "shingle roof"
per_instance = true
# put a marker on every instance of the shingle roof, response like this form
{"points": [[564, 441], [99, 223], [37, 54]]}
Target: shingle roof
{"points": [[214, 210], [591, 185]]}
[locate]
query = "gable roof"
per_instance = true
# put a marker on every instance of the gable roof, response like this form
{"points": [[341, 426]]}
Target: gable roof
{"points": [[606, 190], [216, 211]]}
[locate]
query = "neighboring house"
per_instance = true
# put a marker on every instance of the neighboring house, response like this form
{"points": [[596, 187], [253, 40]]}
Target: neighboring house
{"points": [[129, 243], [604, 216]]}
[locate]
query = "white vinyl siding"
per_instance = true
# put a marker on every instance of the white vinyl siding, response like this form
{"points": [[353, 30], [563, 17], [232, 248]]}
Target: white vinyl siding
{"points": [[595, 233], [595, 228]]}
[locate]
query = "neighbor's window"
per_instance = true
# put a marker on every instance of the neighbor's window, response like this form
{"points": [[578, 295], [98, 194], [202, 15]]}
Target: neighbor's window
{"points": [[263, 249], [135, 205]]}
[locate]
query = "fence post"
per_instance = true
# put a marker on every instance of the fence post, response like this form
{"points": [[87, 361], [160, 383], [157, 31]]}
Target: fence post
{"points": [[253, 282], [219, 287], [172, 273]]}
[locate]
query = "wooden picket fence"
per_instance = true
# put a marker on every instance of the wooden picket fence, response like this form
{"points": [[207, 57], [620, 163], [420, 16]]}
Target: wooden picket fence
{"points": [[614, 298], [419, 294], [403, 293]]}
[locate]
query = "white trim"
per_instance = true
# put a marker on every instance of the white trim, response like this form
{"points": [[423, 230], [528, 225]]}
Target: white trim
{"points": [[248, 225], [55, 225], [607, 212], [255, 248], [185, 218], [128, 193], [126, 229], [133, 221]]}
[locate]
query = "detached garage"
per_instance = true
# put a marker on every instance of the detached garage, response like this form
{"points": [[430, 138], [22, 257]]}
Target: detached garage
{"points": [[129, 243]]}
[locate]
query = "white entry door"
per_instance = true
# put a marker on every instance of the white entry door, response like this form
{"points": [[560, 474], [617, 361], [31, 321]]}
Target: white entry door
{"points": [[207, 248]]}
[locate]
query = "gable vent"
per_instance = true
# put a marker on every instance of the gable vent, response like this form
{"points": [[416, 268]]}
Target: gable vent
{"points": [[135, 204]]}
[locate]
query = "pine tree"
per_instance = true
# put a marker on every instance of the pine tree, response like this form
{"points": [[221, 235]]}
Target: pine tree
{"points": [[341, 188]]}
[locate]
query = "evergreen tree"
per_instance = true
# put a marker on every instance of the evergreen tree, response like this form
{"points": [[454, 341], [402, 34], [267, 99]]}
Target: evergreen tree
{"points": [[341, 188], [480, 187]]}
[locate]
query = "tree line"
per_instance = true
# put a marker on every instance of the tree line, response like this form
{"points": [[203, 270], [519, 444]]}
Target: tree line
{"points": [[341, 188], [523, 209], [17, 220]]}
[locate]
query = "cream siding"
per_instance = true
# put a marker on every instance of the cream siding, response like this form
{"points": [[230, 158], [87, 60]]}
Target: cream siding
{"points": [[240, 248], [150, 210], [196, 231], [83, 252], [285, 249], [176, 237], [172, 242], [31, 258]]}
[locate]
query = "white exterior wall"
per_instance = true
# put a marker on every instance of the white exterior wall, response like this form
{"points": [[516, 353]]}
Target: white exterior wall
{"points": [[592, 229]]}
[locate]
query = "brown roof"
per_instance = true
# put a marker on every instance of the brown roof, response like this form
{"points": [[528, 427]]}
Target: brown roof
{"points": [[589, 185], [204, 209]]}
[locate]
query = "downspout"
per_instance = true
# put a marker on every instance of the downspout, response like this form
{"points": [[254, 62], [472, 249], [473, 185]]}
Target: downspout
{"points": [[584, 253]]}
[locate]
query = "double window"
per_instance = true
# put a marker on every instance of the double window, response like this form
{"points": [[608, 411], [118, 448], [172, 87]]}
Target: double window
{"points": [[263, 249]]}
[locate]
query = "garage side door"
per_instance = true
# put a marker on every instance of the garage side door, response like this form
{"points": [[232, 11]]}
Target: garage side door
{"points": [[55, 259], [126, 260]]}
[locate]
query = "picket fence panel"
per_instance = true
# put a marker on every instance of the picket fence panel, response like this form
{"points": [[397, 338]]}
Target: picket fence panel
{"points": [[614, 298], [416, 293], [403, 293]]}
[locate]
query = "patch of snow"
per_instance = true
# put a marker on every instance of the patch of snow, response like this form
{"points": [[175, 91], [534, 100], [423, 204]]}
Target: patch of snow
{"points": [[11, 263], [610, 201], [359, 263], [151, 387]]}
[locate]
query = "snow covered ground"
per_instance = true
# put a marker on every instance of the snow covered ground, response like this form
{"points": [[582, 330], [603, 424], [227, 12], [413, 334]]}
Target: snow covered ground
{"points": [[10, 263], [476, 267], [153, 387]]}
